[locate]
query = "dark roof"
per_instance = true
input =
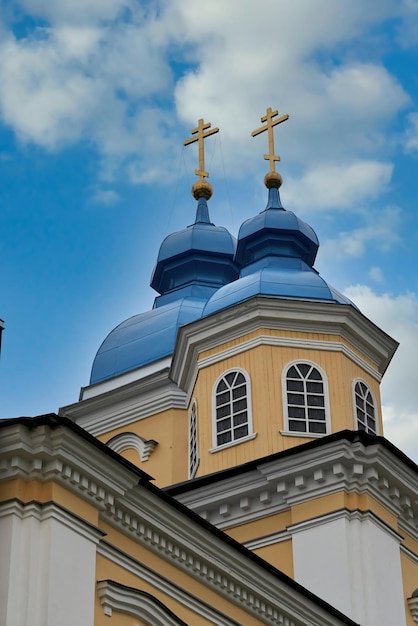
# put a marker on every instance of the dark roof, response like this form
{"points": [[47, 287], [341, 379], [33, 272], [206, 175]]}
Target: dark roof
{"points": [[351, 436], [54, 421]]}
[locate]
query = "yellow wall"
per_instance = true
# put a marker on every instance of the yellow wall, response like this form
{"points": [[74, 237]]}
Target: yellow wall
{"points": [[168, 464], [264, 365]]}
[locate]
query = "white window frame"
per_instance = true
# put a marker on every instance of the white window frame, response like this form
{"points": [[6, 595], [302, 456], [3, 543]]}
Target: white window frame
{"points": [[249, 422], [295, 433], [193, 441], [356, 422]]}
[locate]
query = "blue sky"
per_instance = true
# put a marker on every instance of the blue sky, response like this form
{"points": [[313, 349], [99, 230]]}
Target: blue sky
{"points": [[96, 99]]}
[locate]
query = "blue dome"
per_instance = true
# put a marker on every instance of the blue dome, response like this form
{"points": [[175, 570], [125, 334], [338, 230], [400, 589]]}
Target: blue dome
{"points": [[276, 232], [282, 278], [201, 254], [192, 264], [276, 251], [144, 338]]}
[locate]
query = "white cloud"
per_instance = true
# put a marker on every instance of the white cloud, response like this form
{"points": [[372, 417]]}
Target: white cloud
{"points": [[100, 67], [382, 233], [338, 186], [398, 316], [411, 135], [107, 197], [376, 274]]}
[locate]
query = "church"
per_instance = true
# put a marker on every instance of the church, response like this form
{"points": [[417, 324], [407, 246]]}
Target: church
{"points": [[227, 463]]}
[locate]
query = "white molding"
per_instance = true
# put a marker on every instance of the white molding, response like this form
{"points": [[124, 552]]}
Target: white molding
{"points": [[120, 380], [375, 405], [348, 515], [294, 433], [128, 441], [130, 601], [413, 605], [204, 556], [278, 314], [231, 444], [50, 451], [244, 372], [411, 555], [300, 477], [128, 404], [166, 586], [60, 454], [195, 443], [289, 342], [50, 510], [267, 540], [285, 404]]}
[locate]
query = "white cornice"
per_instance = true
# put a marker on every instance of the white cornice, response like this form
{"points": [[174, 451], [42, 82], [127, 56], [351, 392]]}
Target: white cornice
{"points": [[44, 453], [127, 404], [285, 535], [275, 486], [205, 557], [168, 587], [116, 597], [288, 342], [41, 451], [278, 314], [124, 379], [50, 510]]}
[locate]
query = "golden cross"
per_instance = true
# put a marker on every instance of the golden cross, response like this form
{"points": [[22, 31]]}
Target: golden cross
{"points": [[201, 135], [268, 118]]}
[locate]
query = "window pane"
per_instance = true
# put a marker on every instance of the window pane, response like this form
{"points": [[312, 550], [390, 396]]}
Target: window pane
{"points": [[241, 418], [222, 398], [316, 414], [221, 386], [239, 392], [317, 427], [295, 398], [295, 411], [315, 375], [316, 400], [223, 425], [293, 373], [314, 387], [304, 369], [297, 426], [239, 405], [242, 431], [295, 385], [223, 411], [230, 378], [224, 438]]}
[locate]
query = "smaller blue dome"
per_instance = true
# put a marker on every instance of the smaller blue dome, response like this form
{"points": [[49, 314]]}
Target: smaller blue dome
{"points": [[144, 338], [278, 232], [201, 254], [276, 251], [282, 278]]}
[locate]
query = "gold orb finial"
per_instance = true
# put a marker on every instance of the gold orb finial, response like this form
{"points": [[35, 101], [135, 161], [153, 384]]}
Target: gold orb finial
{"points": [[273, 179], [202, 189]]}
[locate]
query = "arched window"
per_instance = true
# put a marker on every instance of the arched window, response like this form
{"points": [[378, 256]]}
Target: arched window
{"points": [[231, 400], [305, 399], [193, 447], [364, 407]]}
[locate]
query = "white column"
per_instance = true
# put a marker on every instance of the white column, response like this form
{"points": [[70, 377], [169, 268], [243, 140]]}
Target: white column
{"points": [[352, 560], [47, 566]]}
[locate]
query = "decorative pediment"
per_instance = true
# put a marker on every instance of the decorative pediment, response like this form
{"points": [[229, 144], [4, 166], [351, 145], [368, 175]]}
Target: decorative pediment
{"points": [[129, 441]]}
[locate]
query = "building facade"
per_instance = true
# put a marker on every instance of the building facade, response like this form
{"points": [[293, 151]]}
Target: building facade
{"points": [[250, 394]]}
